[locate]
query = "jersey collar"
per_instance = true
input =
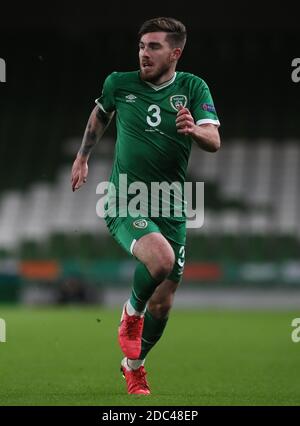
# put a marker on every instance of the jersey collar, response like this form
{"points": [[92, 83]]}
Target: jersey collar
{"points": [[163, 85]]}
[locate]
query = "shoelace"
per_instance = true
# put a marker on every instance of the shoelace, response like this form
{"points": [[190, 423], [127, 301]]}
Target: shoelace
{"points": [[140, 375], [133, 326]]}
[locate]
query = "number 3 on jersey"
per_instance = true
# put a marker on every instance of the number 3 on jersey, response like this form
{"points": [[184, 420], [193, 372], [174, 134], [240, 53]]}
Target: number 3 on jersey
{"points": [[154, 119]]}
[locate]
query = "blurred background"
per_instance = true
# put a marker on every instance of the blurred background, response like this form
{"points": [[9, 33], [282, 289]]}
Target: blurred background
{"points": [[53, 247]]}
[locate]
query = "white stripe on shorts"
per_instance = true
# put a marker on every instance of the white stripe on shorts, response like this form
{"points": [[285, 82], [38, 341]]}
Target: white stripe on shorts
{"points": [[132, 245]]}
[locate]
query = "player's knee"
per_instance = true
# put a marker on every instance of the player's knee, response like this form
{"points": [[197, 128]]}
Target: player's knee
{"points": [[162, 265]]}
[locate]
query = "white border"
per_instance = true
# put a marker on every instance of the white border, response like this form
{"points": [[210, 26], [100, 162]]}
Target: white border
{"points": [[132, 245], [207, 121], [163, 85], [100, 106]]}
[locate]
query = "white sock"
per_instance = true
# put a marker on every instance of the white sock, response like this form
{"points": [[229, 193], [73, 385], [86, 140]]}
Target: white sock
{"points": [[132, 364], [131, 311]]}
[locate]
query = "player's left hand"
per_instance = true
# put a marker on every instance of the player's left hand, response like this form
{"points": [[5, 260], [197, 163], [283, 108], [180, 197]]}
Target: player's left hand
{"points": [[79, 172], [184, 122]]}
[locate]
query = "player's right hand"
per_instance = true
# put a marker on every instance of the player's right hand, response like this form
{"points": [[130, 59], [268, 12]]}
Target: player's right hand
{"points": [[184, 121], [79, 173]]}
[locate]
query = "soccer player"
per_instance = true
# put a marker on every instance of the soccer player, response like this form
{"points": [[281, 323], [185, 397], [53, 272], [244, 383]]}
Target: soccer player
{"points": [[159, 114]]}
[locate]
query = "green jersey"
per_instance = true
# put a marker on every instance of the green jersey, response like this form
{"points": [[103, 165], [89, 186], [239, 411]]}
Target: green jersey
{"points": [[149, 149]]}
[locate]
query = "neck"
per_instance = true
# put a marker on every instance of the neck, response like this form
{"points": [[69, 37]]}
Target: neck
{"points": [[164, 78]]}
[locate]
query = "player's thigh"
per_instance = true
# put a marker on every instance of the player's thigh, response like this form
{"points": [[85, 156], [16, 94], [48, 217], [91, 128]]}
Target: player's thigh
{"points": [[155, 251], [128, 230]]}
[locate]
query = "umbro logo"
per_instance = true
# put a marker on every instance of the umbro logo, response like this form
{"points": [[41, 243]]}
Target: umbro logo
{"points": [[130, 98]]}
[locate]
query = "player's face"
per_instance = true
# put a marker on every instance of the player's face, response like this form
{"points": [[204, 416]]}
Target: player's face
{"points": [[156, 56]]}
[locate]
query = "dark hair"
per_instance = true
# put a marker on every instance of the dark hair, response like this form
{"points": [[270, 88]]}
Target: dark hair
{"points": [[176, 36]]}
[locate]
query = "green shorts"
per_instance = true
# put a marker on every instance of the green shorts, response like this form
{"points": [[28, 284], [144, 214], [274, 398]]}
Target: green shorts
{"points": [[127, 230]]}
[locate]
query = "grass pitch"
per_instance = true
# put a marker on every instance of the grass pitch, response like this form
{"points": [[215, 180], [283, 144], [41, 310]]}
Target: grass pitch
{"points": [[70, 356]]}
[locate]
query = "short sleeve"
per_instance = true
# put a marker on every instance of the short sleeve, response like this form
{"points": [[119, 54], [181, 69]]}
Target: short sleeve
{"points": [[107, 99], [202, 105]]}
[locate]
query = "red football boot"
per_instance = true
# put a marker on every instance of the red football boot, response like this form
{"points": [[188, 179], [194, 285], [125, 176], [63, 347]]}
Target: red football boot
{"points": [[130, 334], [136, 381]]}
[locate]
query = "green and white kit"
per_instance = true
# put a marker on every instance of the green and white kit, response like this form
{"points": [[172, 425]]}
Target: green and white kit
{"points": [[149, 149]]}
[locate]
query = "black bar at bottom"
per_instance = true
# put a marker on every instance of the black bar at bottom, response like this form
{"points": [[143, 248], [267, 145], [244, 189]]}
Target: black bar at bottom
{"points": [[93, 415]]}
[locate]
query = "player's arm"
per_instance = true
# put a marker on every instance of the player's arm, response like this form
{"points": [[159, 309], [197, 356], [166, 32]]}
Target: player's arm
{"points": [[205, 135], [96, 126]]}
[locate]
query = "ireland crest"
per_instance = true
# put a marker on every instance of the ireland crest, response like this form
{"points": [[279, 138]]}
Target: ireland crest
{"points": [[177, 101], [140, 223]]}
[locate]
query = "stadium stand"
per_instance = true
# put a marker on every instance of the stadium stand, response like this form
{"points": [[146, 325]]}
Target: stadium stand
{"points": [[251, 184], [244, 199]]}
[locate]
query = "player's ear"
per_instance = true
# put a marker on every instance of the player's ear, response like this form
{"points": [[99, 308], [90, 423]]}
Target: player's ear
{"points": [[176, 53]]}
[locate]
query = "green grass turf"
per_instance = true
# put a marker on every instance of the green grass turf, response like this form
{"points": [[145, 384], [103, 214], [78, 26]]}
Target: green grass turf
{"points": [[70, 356]]}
